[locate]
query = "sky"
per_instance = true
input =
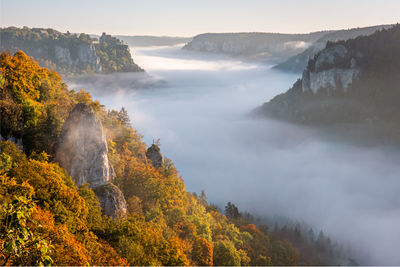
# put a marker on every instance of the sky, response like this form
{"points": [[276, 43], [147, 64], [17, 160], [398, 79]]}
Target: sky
{"points": [[188, 17]]}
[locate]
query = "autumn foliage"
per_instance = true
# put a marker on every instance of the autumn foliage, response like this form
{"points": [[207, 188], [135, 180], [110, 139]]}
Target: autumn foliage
{"points": [[47, 220]]}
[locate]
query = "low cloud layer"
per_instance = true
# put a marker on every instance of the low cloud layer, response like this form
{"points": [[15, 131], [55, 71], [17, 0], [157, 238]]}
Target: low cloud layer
{"points": [[197, 106]]}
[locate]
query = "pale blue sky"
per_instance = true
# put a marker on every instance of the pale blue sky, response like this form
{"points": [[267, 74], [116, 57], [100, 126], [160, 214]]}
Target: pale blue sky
{"points": [[188, 17]]}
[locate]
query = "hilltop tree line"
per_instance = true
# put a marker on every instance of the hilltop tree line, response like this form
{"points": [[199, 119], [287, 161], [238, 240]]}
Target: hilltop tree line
{"points": [[40, 43]]}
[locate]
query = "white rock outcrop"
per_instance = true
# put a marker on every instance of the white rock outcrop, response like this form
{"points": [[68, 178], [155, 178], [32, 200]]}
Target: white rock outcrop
{"points": [[82, 148], [330, 79], [85, 55], [82, 152], [326, 74], [63, 56], [249, 45]]}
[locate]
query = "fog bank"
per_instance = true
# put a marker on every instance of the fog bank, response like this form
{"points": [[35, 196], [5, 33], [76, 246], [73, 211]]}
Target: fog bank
{"points": [[197, 105]]}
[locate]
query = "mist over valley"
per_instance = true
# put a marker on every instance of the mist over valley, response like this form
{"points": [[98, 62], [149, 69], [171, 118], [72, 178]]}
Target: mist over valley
{"points": [[198, 106], [199, 133]]}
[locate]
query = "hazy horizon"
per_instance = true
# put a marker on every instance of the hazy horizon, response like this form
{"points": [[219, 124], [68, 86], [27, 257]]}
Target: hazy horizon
{"points": [[187, 19]]}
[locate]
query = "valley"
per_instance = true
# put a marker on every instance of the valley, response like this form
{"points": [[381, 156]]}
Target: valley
{"points": [[199, 108]]}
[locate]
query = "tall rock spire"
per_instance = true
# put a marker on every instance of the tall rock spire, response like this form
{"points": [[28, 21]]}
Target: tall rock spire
{"points": [[82, 152]]}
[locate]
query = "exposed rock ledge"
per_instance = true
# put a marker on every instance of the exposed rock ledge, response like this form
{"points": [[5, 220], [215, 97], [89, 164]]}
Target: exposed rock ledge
{"points": [[334, 68], [333, 78], [82, 152]]}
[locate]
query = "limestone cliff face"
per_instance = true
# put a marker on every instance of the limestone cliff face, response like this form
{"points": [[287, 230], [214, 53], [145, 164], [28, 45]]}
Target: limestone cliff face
{"points": [[70, 54], [62, 56], [349, 87], [85, 57], [330, 73], [252, 45], [299, 62], [82, 148], [324, 73], [82, 152]]}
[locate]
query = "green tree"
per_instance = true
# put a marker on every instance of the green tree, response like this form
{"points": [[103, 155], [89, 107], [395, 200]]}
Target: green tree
{"points": [[225, 254], [20, 245]]}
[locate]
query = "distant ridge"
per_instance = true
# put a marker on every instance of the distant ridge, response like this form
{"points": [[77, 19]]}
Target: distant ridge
{"points": [[350, 86], [67, 53], [298, 62], [149, 40]]}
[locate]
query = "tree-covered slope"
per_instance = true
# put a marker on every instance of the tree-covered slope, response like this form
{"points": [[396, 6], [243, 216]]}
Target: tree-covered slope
{"points": [[349, 82], [69, 53], [298, 62], [46, 219]]}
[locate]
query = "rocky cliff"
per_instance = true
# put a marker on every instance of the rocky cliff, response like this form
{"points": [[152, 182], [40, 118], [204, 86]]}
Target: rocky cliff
{"points": [[69, 53], [353, 81], [298, 63], [82, 152], [334, 68], [253, 45], [86, 57]]}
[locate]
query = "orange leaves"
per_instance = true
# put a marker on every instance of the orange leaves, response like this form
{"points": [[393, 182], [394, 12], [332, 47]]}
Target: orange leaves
{"points": [[252, 229], [59, 211], [202, 253], [27, 93], [52, 189], [23, 75], [67, 249], [165, 226]]}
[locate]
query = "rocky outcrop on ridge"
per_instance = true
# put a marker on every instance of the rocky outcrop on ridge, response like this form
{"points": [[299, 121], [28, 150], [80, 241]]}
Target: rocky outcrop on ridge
{"points": [[153, 153], [82, 152], [349, 85], [333, 68], [298, 62], [69, 54]]}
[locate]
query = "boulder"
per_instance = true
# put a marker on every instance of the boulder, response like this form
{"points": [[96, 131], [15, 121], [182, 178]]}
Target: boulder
{"points": [[111, 199]]}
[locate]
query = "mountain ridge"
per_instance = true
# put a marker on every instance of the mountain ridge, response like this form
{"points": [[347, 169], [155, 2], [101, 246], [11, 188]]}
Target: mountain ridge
{"points": [[349, 82], [298, 62], [69, 54]]}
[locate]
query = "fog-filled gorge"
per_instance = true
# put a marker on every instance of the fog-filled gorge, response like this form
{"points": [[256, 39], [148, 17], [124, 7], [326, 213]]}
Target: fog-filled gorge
{"points": [[198, 105]]}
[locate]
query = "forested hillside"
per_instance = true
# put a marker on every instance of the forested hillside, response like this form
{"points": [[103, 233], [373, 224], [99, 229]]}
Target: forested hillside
{"points": [[69, 53], [46, 219], [353, 83], [298, 62]]}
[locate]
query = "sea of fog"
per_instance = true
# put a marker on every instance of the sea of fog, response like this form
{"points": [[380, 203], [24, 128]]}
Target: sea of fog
{"points": [[198, 106]]}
